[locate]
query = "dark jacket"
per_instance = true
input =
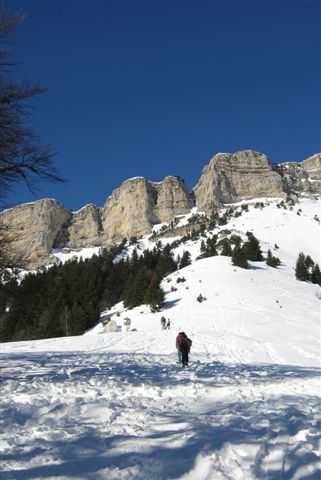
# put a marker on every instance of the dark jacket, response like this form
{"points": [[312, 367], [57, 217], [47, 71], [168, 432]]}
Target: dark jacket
{"points": [[183, 343]]}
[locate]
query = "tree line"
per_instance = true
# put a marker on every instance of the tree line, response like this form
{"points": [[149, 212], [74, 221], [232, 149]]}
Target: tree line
{"points": [[67, 299]]}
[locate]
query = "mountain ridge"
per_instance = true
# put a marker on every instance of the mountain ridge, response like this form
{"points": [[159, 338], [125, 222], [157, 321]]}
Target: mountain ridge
{"points": [[33, 229]]}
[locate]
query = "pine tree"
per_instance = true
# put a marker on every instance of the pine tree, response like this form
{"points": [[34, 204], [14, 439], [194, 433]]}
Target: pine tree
{"points": [[272, 261], [252, 248], [316, 275], [226, 248], [235, 240], [301, 271], [185, 260], [309, 263], [154, 295], [135, 289], [239, 258]]}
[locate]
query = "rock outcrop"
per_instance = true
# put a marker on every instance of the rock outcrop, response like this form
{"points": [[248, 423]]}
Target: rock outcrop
{"points": [[138, 204], [30, 231], [171, 198], [84, 228], [301, 177], [231, 177]]}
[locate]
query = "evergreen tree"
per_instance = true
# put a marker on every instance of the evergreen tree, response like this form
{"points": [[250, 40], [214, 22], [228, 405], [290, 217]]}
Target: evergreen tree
{"points": [[252, 248], [239, 258], [316, 275], [235, 240], [301, 271], [226, 248], [272, 261], [134, 258], [135, 289], [309, 263], [208, 249], [186, 259], [154, 295]]}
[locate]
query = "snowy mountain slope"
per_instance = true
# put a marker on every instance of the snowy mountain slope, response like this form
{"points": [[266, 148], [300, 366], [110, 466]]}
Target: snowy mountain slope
{"points": [[256, 315], [118, 406]]}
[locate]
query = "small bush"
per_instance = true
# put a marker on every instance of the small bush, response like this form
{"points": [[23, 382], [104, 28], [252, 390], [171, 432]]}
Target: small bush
{"points": [[201, 298], [181, 280]]}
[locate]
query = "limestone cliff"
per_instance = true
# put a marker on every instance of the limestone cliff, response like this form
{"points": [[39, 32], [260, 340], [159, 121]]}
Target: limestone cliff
{"points": [[84, 228], [230, 177], [138, 204], [30, 230], [301, 177]]}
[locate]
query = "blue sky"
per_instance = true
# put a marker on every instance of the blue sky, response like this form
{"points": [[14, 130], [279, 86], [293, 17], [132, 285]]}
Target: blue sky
{"points": [[155, 88]]}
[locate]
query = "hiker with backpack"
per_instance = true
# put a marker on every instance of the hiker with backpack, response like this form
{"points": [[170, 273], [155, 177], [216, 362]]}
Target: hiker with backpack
{"points": [[183, 345], [163, 323]]}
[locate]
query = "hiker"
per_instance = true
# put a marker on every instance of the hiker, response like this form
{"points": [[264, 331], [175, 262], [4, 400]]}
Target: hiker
{"points": [[163, 323], [168, 325], [183, 345]]}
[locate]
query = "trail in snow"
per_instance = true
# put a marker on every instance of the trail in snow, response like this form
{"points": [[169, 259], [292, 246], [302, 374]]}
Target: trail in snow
{"points": [[132, 416]]}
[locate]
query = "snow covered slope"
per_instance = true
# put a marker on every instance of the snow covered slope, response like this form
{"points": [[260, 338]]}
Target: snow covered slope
{"points": [[118, 406]]}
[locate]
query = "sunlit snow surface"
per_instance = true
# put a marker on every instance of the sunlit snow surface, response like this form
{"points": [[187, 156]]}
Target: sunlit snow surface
{"points": [[118, 406]]}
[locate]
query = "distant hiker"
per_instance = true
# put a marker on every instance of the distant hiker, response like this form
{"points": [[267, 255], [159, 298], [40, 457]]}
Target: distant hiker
{"points": [[168, 325], [127, 323], [163, 323], [183, 345]]}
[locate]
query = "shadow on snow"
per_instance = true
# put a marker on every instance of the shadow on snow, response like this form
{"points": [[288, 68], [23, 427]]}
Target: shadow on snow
{"points": [[176, 439]]}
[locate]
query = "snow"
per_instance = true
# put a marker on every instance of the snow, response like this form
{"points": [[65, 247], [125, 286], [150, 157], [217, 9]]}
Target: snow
{"points": [[291, 232], [133, 179], [158, 227], [75, 212], [63, 255], [118, 406]]}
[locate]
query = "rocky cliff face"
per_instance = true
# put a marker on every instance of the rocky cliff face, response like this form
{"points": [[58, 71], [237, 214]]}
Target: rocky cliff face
{"points": [[30, 230], [301, 177], [230, 177], [138, 204], [83, 229]]}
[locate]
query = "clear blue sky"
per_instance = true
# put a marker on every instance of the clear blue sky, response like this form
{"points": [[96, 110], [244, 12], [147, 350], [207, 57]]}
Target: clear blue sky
{"points": [[155, 88]]}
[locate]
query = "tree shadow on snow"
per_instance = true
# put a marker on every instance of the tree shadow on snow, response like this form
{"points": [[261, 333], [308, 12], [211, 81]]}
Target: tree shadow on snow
{"points": [[136, 368], [264, 427], [270, 428], [170, 304]]}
